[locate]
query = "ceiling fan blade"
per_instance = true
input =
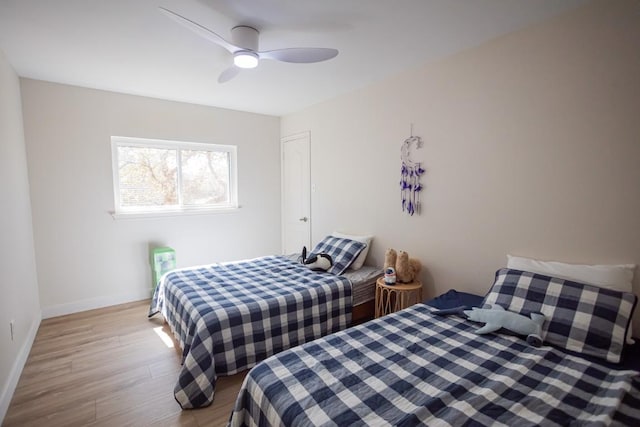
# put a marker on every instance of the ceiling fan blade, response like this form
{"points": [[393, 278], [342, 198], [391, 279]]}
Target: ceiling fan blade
{"points": [[300, 55], [200, 30], [228, 74]]}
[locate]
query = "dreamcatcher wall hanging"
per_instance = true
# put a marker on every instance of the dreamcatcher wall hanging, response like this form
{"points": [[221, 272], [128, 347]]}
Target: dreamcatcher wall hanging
{"points": [[410, 174]]}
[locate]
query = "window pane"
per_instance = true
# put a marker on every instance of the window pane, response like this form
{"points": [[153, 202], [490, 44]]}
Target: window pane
{"points": [[148, 176], [205, 177]]}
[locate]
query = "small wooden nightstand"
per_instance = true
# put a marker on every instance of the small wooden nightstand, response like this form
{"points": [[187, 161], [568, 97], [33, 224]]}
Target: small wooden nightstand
{"points": [[391, 298]]}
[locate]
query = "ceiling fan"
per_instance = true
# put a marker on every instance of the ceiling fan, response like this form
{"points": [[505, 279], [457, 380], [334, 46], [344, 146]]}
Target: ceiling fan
{"points": [[244, 47]]}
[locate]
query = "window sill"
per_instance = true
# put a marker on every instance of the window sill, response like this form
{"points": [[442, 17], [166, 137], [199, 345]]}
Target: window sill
{"points": [[172, 213]]}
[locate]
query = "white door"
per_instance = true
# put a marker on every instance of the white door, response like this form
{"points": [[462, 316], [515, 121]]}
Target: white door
{"points": [[296, 193]]}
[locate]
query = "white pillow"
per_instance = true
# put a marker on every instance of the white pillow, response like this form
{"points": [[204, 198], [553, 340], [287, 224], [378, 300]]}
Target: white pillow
{"points": [[359, 262], [618, 277]]}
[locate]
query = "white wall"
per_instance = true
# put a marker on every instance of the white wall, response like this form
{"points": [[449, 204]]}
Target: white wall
{"points": [[532, 147], [87, 259], [19, 285]]}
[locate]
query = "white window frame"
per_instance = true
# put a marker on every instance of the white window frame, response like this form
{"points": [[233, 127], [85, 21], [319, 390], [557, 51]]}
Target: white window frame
{"points": [[120, 212]]}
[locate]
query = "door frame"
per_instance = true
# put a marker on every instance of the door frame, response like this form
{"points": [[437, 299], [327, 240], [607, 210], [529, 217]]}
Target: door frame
{"points": [[300, 135]]}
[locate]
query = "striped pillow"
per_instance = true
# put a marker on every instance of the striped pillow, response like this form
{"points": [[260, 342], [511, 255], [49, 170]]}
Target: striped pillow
{"points": [[579, 317]]}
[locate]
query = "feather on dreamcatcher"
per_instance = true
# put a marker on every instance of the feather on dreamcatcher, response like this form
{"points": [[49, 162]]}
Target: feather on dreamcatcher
{"points": [[410, 174]]}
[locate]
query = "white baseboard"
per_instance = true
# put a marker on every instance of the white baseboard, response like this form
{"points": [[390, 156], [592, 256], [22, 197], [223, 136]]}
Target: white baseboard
{"points": [[93, 303], [16, 369]]}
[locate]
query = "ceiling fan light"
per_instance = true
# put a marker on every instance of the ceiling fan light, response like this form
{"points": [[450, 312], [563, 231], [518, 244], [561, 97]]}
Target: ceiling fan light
{"points": [[245, 59]]}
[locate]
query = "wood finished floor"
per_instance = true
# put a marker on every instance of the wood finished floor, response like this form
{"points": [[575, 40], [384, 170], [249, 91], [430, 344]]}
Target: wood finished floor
{"points": [[108, 367]]}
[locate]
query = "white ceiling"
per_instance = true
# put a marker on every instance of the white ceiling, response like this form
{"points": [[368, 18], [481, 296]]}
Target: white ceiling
{"points": [[128, 46]]}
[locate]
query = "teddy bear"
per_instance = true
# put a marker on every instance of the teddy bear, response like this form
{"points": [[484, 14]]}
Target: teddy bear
{"points": [[406, 269]]}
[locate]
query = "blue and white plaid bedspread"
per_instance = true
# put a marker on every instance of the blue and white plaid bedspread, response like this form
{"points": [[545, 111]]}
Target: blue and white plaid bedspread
{"points": [[414, 368], [227, 317]]}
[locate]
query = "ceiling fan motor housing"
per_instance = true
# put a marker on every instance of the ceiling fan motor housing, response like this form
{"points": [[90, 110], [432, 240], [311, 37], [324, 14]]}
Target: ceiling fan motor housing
{"points": [[245, 37]]}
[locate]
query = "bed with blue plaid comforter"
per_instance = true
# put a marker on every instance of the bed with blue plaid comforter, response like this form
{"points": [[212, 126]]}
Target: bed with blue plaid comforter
{"points": [[227, 317], [415, 368]]}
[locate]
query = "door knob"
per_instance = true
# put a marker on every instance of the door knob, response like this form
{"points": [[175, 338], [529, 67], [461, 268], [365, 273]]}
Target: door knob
{"points": [[304, 219]]}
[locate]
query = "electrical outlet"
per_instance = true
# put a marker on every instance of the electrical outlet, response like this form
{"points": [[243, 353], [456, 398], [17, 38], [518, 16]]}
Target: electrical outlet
{"points": [[12, 324]]}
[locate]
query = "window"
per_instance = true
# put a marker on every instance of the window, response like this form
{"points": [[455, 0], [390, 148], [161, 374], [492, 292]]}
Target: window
{"points": [[168, 176]]}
